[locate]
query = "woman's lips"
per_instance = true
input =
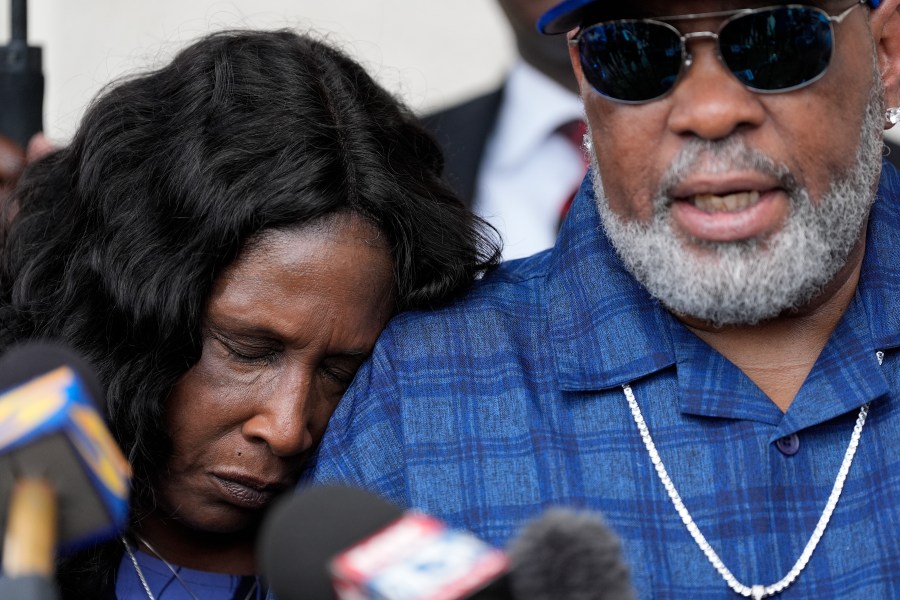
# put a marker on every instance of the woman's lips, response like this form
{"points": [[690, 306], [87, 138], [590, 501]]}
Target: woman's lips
{"points": [[731, 217], [247, 492]]}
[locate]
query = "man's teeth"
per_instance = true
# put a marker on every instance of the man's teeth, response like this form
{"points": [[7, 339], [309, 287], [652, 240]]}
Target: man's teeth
{"points": [[731, 202]]}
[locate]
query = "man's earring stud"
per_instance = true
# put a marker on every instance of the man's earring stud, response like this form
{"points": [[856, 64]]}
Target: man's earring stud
{"points": [[892, 116]]}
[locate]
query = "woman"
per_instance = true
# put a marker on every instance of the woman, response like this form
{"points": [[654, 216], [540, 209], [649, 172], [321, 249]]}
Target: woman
{"points": [[224, 239]]}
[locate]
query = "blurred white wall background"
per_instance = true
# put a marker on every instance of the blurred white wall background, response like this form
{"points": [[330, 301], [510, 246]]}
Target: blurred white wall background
{"points": [[430, 52]]}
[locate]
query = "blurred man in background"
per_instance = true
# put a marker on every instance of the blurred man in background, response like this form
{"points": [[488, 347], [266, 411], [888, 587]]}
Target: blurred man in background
{"points": [[515, 154]]}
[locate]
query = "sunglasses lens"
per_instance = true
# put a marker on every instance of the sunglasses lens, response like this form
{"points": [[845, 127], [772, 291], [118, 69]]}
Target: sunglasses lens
{"points": [[777, 49], [631, 61]]}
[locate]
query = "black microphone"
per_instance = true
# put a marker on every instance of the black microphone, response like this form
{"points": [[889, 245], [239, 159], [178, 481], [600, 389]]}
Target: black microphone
{"points": [[63, 481], [568, 555], [21, 81], [338, 542]]}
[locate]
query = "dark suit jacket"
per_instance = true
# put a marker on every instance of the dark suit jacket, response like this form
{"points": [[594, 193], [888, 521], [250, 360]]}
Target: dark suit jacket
{"points": [[463, 131]]}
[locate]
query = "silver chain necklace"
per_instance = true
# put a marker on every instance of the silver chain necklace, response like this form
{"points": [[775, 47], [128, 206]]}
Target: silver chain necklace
{"points": [[757, 591], [146, 586]]}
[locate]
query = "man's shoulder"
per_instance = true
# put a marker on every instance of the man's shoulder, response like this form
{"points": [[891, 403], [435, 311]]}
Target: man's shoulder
{"points": [[514, 280], [429, 368], [514, 286], [507, 308]]}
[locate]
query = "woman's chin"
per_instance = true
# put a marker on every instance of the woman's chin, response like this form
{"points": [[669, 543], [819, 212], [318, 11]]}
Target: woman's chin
{"points": [[222, 521], [219, 539]]}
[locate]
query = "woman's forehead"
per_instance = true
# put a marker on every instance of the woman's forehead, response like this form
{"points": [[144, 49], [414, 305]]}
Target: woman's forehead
{"points": [[340, 225]]}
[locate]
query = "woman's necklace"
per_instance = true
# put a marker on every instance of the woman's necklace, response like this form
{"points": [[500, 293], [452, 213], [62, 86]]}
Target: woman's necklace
{"points": [[756, 591], [146, 586]]}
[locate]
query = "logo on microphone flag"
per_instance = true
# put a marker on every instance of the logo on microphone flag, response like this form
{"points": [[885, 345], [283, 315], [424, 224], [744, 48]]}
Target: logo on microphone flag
{"points": [[416, 558], [42, 417]]}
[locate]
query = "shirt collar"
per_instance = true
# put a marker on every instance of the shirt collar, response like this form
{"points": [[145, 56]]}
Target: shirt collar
{"points": [[534, 106], [598, 310], [846, 376]]}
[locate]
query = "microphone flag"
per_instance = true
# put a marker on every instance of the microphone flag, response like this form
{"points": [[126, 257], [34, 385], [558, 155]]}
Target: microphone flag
{"points": [[50, 429]]}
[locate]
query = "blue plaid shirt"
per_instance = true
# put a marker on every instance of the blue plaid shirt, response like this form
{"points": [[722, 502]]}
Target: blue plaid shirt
{"points": [[491, 410]]}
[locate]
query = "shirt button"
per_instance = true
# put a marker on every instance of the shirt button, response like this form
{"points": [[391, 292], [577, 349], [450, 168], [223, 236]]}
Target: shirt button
{"points": [[789, 445]]}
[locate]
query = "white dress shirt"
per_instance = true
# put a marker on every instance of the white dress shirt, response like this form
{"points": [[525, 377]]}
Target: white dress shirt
{"points": [[529, 168]]}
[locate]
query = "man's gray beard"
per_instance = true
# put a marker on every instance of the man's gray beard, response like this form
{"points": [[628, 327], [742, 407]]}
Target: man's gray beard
{"points": [[749, 281]]}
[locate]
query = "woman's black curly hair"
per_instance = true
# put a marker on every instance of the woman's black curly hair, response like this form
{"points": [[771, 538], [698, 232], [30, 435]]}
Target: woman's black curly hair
{"points": [[117, 238]]}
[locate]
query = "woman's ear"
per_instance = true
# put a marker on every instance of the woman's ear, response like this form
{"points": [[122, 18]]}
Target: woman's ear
{"points": [[885, 23]]}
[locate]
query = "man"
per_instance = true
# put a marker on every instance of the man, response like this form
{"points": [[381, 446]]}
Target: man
{"points": [[709, 356], [514, 155]]}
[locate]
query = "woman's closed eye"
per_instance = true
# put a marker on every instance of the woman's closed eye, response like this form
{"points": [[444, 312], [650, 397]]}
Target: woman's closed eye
{"points": [[341, 370], [249, 352]]}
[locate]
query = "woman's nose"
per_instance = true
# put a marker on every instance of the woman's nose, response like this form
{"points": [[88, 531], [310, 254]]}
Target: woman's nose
{"points": [[281, 420]]}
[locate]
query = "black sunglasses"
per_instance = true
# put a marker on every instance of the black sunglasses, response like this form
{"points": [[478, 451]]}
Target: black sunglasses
{"points": [[769, 50]]}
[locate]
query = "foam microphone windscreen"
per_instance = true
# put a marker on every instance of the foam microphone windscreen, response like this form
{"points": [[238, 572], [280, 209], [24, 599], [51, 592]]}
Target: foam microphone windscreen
{"points": [[50, 429], [568, 555], [303, 533], [340, 542]]}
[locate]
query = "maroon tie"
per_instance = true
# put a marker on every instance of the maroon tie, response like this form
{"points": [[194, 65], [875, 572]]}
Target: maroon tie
{"points": [[574, 132]]}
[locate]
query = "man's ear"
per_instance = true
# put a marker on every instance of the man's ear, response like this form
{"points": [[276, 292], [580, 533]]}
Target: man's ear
{"points": [[885, 23]]}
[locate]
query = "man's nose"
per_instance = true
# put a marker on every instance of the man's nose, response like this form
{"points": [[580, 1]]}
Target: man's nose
{"points": [[708, 101]]}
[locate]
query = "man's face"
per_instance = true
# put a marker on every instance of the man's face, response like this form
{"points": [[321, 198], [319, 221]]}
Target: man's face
{"points": [[732, 176]]}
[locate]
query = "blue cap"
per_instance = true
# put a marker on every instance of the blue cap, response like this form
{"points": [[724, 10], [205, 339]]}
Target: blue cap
{"points": [[568, 15]]}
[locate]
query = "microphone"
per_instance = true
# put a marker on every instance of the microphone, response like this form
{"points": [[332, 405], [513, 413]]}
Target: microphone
{"points": [[568, 555], [21, 81], [338, 542], [63, 481]]}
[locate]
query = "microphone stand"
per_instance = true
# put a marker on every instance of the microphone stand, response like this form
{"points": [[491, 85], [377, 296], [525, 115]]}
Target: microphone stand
{"points": [[21, 81]]}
